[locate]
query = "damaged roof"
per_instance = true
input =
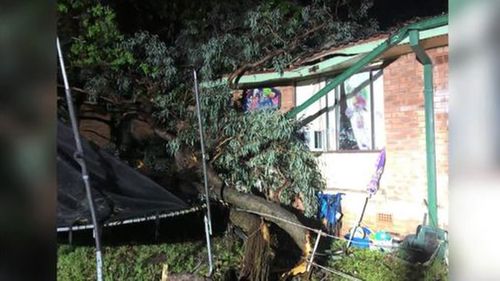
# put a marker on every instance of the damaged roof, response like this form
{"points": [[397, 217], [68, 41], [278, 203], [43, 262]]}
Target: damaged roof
{"points": [[335, 58]]}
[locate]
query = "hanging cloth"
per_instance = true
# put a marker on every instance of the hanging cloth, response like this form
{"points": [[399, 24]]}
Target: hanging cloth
{"points": [[374, 183], [330, 210]]}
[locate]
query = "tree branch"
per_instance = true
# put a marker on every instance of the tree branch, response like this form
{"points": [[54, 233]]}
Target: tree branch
{"points": [[234, 77], [163, 134]]}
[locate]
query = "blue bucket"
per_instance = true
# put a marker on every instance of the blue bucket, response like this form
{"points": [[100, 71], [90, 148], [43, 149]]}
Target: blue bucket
{"points": [[360, 242]]}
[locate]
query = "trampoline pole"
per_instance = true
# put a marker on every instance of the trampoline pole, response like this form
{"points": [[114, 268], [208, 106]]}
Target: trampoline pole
{"points": [[209, 248], [79, 157], [70, 236], [208, 217]]}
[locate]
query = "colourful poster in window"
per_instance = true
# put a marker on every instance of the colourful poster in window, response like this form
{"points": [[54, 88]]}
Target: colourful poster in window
{"points": [[358, 111], [359, 114], [261, 98]]}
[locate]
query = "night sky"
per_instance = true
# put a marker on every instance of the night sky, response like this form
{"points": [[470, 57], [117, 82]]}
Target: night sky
{"points": [[391, 12], [165, 18]]}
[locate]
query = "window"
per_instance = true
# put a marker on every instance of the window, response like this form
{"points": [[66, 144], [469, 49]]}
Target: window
{"points": [[350, 117], [318, 140]]}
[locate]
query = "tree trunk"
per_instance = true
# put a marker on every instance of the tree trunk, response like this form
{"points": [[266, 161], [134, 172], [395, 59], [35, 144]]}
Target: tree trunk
{"points": [[251, 202], [187, 161]]}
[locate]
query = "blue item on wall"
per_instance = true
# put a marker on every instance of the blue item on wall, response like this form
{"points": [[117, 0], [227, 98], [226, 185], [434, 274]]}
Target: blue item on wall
{"points": [[330, 209]]}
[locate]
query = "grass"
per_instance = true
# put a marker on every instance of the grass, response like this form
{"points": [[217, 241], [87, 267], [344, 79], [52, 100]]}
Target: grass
{"points": [[145, 262], [372, 265]]}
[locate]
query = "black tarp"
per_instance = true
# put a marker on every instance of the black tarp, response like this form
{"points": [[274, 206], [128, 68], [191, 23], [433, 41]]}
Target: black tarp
{"points": [[119, 191]]}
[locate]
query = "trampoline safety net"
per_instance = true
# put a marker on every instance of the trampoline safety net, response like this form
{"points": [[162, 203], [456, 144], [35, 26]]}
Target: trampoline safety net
{"points": [[120, 192]]}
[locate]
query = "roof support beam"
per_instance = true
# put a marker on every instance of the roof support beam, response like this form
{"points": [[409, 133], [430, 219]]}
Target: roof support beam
{"points": [[369, 57]]}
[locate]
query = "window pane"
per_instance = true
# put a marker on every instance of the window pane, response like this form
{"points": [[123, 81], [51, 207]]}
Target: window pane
{"points": [[355, 128], [304, 90], [378, 100], [318, 140], [346, 138]]}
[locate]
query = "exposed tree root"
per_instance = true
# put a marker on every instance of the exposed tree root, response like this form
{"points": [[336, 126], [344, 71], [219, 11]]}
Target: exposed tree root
{"points": [[258, 255]]}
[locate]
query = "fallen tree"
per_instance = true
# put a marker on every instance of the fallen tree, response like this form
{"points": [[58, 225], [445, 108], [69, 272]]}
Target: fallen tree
{"points": [[141, 88], [254, 157]]}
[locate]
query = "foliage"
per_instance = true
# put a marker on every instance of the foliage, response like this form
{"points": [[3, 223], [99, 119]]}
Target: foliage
{"points": [[97, 43], [215, 36], [276, 34], [106, 62], [145, 262], [258, 151], [255, 152]]}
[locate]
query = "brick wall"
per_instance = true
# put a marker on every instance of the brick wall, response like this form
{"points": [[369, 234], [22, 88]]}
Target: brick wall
{"points": [[399, 205], [404, 183], [287, 98]]}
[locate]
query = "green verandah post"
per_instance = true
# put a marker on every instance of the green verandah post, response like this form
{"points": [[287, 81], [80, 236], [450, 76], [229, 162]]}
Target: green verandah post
{"points": [[429, 126]]}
